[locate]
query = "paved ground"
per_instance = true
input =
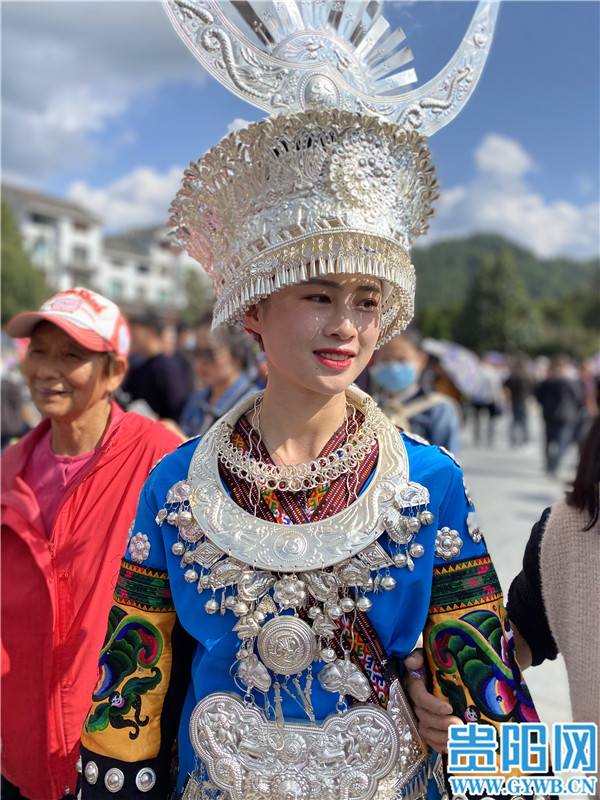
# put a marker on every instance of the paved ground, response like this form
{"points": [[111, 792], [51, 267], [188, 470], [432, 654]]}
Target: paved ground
{"points": [[510, 491]]}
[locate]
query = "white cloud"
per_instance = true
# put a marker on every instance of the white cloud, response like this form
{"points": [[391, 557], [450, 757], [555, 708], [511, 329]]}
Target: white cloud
{"points": [[237, 123], [502, 157], [500, 200], [69, 68], [136, 200]]}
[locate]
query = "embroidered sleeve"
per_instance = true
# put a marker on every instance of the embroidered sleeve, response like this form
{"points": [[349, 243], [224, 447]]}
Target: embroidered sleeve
{"points": [[128, 735], [469, 645]]}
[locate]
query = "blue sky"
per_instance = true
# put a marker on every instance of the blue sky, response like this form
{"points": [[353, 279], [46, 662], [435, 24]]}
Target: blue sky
{"points": [[103, 103]]}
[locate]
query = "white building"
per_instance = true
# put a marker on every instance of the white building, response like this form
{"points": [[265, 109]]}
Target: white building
{"points": [[142, 267], [136, 268], [62, 239]]}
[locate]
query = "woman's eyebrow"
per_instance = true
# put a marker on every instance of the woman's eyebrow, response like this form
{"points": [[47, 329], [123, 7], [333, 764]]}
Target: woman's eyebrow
{"points": [[367, 287]]}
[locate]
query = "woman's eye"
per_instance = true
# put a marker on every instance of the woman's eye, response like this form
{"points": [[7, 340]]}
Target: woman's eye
{"points": [[369, 303], [319, 298]]}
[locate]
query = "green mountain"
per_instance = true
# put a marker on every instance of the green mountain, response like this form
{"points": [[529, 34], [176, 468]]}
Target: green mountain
{"points": [[445, 270]]}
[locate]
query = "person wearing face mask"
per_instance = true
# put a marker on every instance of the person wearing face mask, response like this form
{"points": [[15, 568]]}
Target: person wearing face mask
{"points": [[396, 374]]}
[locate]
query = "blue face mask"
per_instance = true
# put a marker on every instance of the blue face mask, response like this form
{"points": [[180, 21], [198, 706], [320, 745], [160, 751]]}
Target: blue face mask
{"points": [[394, 377]]}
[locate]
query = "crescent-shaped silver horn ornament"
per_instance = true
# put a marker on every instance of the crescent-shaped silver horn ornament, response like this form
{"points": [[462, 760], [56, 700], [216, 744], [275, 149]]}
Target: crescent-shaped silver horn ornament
{"points": [[289, 55]]}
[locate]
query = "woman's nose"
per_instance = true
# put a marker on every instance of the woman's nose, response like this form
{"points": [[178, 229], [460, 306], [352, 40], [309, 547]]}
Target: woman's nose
{"points": [[340, 324], [48, 367]]}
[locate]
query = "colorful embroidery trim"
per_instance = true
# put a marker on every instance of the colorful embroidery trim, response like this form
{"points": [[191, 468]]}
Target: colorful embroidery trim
{"points": [[143, 588], [463, 584]]}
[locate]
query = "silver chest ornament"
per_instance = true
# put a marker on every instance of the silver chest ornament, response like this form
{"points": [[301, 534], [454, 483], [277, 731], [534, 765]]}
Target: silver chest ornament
{"points": [[250, 758]]}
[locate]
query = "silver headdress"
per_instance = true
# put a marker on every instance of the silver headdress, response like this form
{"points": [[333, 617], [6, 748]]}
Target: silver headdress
{"points": [[339, 178]]}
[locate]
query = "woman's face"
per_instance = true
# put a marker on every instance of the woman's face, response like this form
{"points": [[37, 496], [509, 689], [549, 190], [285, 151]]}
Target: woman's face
{"points": [[319, 335], [66, 380], [215, 365]]}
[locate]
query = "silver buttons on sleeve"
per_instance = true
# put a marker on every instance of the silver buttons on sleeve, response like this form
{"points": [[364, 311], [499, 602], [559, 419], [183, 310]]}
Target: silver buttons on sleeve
{"points": [[145, 779], [91, 772], [114, 780]]}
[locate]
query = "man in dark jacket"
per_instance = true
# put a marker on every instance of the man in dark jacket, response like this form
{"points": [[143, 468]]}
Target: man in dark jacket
{"points": [[561, 398], [159, 379]]}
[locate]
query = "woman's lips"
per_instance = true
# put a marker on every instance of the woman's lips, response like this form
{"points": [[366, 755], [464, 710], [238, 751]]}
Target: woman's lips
{"points": [[334, 359]]}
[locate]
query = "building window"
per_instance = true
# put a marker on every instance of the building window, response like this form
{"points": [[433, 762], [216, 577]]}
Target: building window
{"points": [[80, 255], [80, 278], [41, 249], [81, 226], [116, 289], [143, 268], [42, 219]]}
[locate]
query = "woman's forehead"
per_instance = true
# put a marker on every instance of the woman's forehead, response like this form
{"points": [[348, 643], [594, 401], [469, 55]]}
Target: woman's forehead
{"points": [[47, 331]]}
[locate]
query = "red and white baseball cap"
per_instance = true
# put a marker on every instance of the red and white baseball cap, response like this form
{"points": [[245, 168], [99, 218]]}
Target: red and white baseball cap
{"points": [[91, 319]]}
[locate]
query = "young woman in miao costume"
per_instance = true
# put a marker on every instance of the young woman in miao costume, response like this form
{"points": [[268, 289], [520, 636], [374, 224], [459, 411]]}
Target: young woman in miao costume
{"points": [[280, 568]]}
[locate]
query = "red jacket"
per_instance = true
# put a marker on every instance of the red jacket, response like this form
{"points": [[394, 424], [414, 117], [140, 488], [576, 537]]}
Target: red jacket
{"points": [[56, 595]]}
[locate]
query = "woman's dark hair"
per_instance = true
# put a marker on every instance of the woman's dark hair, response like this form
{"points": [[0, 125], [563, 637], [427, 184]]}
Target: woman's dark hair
{"points": [[109, 363], [233, 337], [584, 493]]}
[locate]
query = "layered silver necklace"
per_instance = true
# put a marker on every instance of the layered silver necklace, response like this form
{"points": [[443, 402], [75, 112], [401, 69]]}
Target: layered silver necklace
{"points": [[297, 477]]}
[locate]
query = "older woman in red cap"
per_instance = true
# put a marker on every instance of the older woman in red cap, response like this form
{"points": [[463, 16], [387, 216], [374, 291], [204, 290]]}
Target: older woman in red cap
{"points": [[69, 493]]}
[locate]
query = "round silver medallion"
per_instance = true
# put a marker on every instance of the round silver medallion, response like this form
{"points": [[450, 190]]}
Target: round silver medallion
{"points": [[145, 779], [91, 772], [287, 645], [114, 780]]}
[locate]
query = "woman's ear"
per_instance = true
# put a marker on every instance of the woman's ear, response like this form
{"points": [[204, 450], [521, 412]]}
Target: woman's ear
{"points": [[251, 319], [117, 373]]}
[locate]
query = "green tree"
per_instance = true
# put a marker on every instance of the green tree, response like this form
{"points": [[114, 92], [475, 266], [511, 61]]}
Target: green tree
{"points": [[23, 286], [439, 322], [200, 298], [571, 324], [498, 313]]}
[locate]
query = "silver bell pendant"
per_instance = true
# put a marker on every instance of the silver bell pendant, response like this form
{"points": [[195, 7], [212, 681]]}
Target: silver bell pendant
{"points": [[211, 606], [364, 604]]}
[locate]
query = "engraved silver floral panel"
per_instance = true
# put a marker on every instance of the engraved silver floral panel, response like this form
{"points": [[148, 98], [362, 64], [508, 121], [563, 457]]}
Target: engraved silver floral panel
{"points": [[295, 548], [249, 757]]}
